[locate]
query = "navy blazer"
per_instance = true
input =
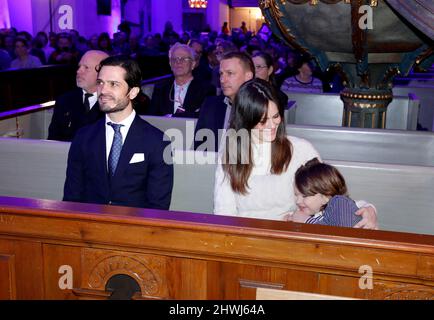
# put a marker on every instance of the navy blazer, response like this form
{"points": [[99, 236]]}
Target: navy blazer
{"points": [[212, 117], [69, 115], [162, 101], [146, 184]]}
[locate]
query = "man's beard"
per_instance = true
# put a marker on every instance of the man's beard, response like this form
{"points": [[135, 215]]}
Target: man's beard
{"points": [[119, 106]]}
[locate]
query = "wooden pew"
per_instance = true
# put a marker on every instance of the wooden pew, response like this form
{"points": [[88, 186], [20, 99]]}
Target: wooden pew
{"points": [[337, 143], [369, 145], [26, 87], [402, 194], [326, 109], [180, 128], [30, 122], [58, 250], [424, 94]]}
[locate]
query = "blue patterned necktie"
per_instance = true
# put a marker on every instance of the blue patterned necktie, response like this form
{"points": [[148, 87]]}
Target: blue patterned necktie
{"points": [[116, 148]]}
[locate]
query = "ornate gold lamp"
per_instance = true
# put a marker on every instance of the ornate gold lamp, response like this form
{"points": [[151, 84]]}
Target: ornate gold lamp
{"points": [[199, 4], [367, 41]]}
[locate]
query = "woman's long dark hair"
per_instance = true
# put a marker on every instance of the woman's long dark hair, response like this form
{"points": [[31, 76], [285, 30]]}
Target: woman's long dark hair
{"points": [[250, 106]]}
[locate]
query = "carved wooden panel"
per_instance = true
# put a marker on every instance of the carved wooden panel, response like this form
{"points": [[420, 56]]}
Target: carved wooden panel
{"points": [[399, 291], [348, 286], [148, 270], [7, 277]]}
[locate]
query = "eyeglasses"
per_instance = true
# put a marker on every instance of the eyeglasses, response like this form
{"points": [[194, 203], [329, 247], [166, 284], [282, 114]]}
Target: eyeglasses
{"points": [[180, 60], [261, 67]]}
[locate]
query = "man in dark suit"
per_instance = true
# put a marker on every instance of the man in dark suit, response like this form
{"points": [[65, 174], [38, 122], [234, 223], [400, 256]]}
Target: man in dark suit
{"points": [[78, 107], [235, 69], [182, 95], [121, 159]]}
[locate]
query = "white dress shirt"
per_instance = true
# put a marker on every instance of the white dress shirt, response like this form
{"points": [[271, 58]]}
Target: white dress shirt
{"points": [[109, 131], [92, 99], [179, 95]]}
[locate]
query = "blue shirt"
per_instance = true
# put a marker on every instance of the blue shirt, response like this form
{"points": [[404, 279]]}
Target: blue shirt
{"points": [[340, 212]]}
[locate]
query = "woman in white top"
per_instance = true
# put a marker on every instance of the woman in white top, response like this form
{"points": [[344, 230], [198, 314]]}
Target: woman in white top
{"points": [[258, 160]]}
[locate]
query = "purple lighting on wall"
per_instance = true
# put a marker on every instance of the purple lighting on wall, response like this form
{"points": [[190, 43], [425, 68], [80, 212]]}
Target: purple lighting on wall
{"points": [[5, 21]]}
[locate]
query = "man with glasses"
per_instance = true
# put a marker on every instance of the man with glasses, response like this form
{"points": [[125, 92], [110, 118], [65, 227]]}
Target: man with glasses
{"points": [[182, 95]]}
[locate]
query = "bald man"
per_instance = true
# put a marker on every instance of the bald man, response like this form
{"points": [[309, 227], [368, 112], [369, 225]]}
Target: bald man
{"points": [[79, 107]]}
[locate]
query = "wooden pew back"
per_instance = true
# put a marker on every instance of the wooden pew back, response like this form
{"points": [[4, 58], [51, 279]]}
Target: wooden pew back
{"points": [[337, 143], [57, 250], [25, 87], [424, 94], [369, 145]]}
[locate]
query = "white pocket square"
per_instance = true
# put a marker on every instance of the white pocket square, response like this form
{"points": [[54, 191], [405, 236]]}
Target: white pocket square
{"points": [[137, 157]]}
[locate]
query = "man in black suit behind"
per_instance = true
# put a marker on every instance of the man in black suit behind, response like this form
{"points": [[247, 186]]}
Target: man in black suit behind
{"points": [[78, 107], [235, 69], [182, 95]]}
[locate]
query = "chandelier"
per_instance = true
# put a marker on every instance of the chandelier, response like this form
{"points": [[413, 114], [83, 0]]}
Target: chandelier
{"points": [[199, 4]]}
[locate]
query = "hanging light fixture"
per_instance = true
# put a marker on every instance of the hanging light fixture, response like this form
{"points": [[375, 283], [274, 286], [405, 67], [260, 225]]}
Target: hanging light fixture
{"points": [[198, 4]]}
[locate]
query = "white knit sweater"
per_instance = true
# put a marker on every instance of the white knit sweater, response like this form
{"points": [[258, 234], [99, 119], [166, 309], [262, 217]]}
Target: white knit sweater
{"points": [[269, 196]]}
